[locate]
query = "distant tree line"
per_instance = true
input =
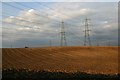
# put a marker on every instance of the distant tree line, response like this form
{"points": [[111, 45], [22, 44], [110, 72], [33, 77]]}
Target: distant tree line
{"points": [[24, 74]]}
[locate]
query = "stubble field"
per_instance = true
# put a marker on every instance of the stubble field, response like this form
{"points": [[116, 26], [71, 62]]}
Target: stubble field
{"points": [[93, 59]]}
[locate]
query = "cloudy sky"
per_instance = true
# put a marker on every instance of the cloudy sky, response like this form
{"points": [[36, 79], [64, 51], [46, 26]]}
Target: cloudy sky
{"points": [[35, 24]]}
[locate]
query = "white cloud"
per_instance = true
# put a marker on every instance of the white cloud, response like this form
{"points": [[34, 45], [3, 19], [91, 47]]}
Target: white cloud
{"points": [[63, 11], [66, 11], [28, 18], [45, 24], [107, 26], [105, 22], [31, 10], [23, 28]]}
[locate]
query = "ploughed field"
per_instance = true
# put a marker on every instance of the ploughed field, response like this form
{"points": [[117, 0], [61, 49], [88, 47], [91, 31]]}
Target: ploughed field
{"points": [[103, 60]]}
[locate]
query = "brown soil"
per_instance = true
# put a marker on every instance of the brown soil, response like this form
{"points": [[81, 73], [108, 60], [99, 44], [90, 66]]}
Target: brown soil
{"points": [[73, 58]]}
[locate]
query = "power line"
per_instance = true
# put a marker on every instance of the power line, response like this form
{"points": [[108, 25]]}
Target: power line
{"points": [[13, 6], [26, 44], [22, 9], [50, 42], [35, 9], [54, 10], [15, 23], [87, 40], [35, 13], [19, 25], [38, 11], [29, 8], [20, 19], [63, 37]]}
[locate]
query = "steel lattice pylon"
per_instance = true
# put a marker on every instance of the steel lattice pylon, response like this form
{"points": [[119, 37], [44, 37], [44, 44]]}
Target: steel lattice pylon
{"points": [[87, 40], [63, 37]]}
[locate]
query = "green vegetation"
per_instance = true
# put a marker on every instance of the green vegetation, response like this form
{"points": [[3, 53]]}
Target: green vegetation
{"points": [[23, 74]]}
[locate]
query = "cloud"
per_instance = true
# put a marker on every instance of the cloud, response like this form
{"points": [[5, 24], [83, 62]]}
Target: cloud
{"points": [[45, 24], [68, 11], [63, 1]]}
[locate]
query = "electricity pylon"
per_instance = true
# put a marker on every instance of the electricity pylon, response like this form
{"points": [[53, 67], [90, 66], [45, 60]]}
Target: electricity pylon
{"points": [[87, 40], [26, 44], [50, 43], [63, 37]]}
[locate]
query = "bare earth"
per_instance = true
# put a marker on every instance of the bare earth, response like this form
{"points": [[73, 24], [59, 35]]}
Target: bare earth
{"points": [[69, 59]]}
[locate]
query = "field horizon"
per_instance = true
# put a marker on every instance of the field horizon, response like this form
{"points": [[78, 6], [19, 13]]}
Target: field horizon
{"points": [[89, 59]]}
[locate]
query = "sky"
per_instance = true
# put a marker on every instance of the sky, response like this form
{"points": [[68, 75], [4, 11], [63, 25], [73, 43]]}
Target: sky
{"points": [[35, 24], [61, 0]]}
